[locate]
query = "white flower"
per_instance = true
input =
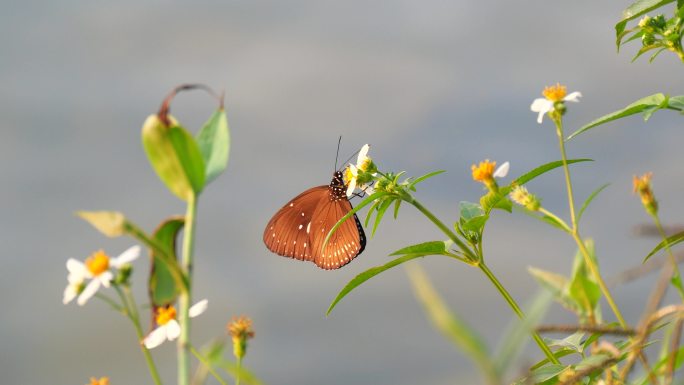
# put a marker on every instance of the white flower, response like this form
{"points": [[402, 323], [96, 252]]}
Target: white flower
{"points": [[95, 268], [169, 328], [552, 95], [363, 162]]}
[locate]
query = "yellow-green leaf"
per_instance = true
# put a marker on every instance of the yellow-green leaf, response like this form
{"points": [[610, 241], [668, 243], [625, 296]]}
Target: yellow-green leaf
{"points": [[109, 223]]}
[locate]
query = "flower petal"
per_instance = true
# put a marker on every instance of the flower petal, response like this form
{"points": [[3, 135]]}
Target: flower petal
{"points": [[69, 294], [198, 308], [363, 154], [76, 267], [173, 330], [502, 171], [573, 97], [88, 292], [127, 256], [351, 187], [155, 338], [541, 105], [105, 278]]}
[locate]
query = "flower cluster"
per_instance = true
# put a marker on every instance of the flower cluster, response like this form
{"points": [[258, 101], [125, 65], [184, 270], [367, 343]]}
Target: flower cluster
{"points": [[485, 173], [96, 268], [168, 328], [240, 329], [642, 186], [360, 175], [553, 102], [524, 198]]}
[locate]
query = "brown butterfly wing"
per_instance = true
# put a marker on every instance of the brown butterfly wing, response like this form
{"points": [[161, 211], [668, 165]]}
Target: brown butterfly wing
{"points": [[287, 233], [345, 243]]}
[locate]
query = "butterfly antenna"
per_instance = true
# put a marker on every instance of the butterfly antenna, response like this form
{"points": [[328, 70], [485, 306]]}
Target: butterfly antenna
{"points": [[338, 151]]}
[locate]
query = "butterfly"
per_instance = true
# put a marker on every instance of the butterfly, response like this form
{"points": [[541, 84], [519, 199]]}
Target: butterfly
{"points": [[299, 228]]}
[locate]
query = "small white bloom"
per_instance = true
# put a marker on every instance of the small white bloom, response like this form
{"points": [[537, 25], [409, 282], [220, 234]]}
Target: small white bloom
{"points": [[351, 175], [552, 95], [95, 268], [169, 329], [75, 285], [363, 160]]}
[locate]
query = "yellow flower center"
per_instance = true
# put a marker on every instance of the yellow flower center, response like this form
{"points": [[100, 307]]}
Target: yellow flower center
{"points": [[101, 381], [363, 166], [165, 314], [555, 93], [642, 183], [241, 328], [97, 263], [348, 175], [483, 172]]}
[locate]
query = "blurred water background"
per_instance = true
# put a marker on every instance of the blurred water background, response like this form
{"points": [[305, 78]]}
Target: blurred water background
{"points": [[431, 85]]}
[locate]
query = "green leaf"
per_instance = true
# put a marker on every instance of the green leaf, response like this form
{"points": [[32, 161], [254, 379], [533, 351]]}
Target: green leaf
{"points": [[470, 210], [369, 199], [426, 248], [639, 106], [236, 370], [109, 223], [450, 324], [543, 169], [641, 7], [676, 102], [553, 222], [213, 353], [368, 274], [214, 144], [497, 200], [572, 342], [555, 284], [670, 241], [175, 156], [424, 177], [589, 199], [547, 372], [397, 204], [161, 284], [381, 212], [583, 287]]}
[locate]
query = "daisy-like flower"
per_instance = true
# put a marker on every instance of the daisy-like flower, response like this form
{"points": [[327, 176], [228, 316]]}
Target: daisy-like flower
{"points": [[240, 330], [485, 173], [363, 165], [101, 381], [168, 327], [553, 96], [97, 269]]}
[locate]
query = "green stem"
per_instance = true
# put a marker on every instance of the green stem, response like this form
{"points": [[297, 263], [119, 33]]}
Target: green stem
{"points": [[185, 297], [488, 273], [239, 370], [131, 311], [676, 275], [516, 309], [206, 363], [446, 230], [575, 230]]}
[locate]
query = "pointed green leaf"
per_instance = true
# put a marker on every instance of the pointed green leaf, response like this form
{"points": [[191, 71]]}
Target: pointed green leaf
{"points": [[543, 169], [670, 241], [240, 371], [546, 373], [641, 7], [413, 183], [381, 212], [572, 342], [369, 199], [175, 156], [470, 210], [589, 199], [109, 223], [397, 204], [214, 144], [368, 274], [450, 324], [583, 287], [426, 248], [161, 284], [555, 284], [634, 108]]}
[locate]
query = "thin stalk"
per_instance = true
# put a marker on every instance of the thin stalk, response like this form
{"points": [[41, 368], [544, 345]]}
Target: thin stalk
{"points": [[575, 230], [185, 297], [516, 309], [131, 310], [445, 229], [239, 370], [206, 363], [502, 290]]}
